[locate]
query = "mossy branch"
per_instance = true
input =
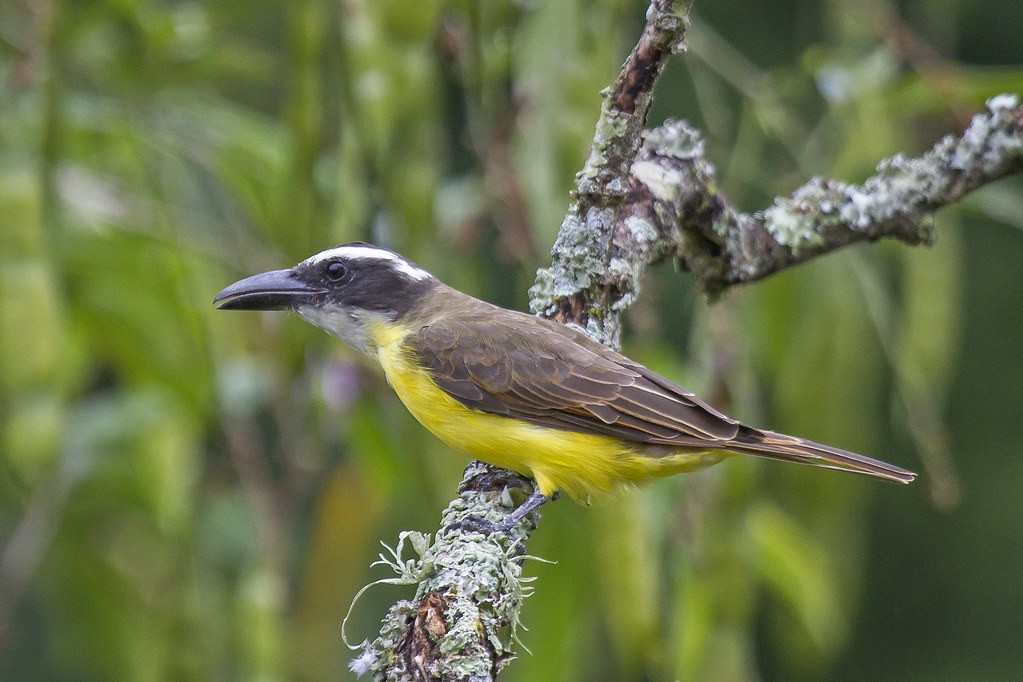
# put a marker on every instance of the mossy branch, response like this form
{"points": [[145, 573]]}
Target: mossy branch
{"points": [[462, 622], [722, 247], [672, 207]]}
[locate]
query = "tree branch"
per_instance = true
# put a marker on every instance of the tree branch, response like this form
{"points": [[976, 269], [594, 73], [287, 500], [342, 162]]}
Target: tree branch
{"points": [[673, 207], [601, 252], [462, 623], [722, 247], [643, 196]]}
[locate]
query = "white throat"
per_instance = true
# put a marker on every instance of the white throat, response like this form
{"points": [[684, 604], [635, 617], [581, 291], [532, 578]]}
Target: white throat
{"points": [[351, 325]]}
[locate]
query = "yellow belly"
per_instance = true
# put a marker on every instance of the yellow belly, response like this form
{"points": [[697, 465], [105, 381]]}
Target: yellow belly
{"points": [[577, 464]]}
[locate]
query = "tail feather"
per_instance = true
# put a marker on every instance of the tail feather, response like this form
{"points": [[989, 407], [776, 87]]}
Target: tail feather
{"points": [[801, 451]]}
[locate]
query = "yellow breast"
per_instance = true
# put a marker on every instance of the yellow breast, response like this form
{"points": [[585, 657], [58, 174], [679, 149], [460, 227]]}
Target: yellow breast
{"points": [[577, 464]]}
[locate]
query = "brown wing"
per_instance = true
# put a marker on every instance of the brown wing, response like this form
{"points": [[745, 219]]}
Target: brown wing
{"points": [[551, 375]]}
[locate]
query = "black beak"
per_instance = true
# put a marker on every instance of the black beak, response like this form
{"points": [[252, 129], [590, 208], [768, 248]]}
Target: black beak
{"points": [[274, 290]]}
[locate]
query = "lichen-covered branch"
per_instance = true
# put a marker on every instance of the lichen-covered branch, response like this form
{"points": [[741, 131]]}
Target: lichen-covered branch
{"points": [[674, 207], [462, 622], [599, 257], [722, 247]]}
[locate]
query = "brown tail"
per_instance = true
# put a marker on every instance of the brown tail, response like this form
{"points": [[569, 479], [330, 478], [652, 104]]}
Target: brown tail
{"points": [[791, 449]]}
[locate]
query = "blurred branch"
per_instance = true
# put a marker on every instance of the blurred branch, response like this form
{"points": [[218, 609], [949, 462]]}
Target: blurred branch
{"points": [[643, 196], [24, 549]]}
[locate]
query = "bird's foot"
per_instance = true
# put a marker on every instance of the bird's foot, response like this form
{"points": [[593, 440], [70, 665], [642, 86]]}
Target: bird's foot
{"points": [[481, 525]]}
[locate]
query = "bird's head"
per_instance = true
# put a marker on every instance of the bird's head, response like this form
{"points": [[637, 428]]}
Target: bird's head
{"points": [[345, 290]]}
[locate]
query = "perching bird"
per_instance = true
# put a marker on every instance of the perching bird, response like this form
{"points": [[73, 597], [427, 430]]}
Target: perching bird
{"points": [[518, 391]]}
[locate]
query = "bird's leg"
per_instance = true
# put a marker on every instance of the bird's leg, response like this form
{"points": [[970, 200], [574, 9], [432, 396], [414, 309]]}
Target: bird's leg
{"points": [[479, 478], [497, 480], [532, 502], [478, 524]]}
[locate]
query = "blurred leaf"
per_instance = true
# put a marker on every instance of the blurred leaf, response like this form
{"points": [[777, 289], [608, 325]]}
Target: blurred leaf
{"points": [[628, 570], [30, 325], [798, 572], [925, 352], [1002, 202], [32, 431]]}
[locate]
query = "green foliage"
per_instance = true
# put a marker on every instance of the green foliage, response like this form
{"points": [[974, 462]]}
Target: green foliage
{"points": [[187, 494]]}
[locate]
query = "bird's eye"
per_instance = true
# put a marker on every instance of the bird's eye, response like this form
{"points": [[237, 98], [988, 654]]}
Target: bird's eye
{"points": [[336, 270]]}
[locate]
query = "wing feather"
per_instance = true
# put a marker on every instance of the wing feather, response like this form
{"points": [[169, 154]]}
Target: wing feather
{"points": [[551, 378]]}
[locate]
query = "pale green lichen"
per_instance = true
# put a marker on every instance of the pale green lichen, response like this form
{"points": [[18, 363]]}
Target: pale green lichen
{"points": [[793, 221], [643, 232], [987, 144], [676, 139], [480, 577], [663, 182], [611, 126], [673, 140], [628, 271], [577, 259]]}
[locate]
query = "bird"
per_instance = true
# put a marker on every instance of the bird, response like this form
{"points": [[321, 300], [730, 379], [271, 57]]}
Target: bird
{"points": [[515, 390]]}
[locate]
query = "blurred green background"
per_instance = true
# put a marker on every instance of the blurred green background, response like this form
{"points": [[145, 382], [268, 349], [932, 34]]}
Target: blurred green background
{"points": [[192, 494]]}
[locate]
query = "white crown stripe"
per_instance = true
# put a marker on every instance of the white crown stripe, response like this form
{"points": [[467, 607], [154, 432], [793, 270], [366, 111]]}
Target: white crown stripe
{"points": [[355, 252]]}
